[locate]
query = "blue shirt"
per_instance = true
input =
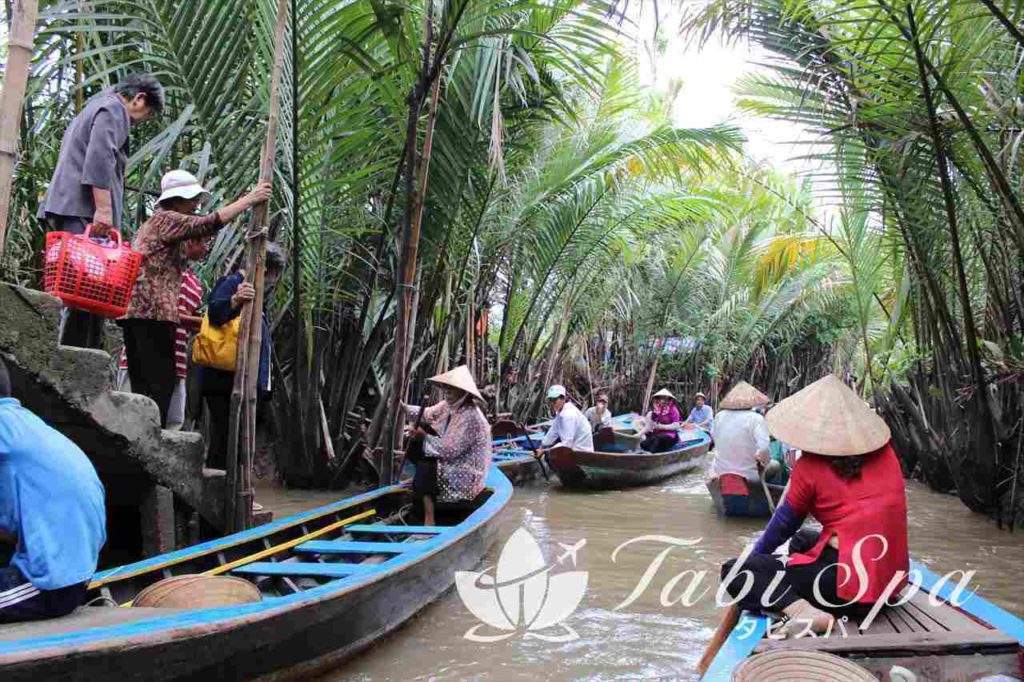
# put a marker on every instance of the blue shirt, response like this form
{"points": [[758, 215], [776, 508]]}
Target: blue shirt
{"points": [[51, 498], [699, 415]]}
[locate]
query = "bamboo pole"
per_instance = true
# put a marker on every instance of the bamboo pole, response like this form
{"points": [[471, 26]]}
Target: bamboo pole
{"points": [[242, 426], [19, 58], [416, 174]]}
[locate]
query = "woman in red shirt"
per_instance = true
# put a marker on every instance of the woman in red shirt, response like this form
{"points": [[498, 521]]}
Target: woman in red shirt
{"points": [[849, 479]]}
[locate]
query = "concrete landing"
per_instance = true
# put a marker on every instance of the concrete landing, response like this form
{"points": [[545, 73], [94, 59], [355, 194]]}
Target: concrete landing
{"points": [[71, 388]]}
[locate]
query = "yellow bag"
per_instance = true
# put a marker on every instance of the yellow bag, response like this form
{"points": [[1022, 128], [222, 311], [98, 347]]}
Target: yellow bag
{"points": [[217, 347]]}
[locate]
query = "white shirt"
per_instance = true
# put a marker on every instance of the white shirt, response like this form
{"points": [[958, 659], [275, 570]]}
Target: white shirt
{"points": [[571, 428], [739, 436], [591, 415]]}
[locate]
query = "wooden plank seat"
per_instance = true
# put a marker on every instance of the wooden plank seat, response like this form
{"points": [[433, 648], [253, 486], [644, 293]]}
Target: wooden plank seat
{"points": [[395, 530], [296, 568], [915, 628], [344, 547]]}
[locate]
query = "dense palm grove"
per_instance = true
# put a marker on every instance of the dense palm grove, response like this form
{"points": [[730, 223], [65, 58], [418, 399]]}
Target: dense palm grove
{"points": [[566, 227]]}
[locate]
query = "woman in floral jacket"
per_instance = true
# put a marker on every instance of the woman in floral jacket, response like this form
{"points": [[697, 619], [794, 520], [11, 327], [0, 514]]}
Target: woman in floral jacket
{"points": [[461, 450], [152, 318]]}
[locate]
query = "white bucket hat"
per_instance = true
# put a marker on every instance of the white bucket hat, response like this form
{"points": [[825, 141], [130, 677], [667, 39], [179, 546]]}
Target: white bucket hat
{"points": [[459, 378], [180, 183], [556, 391]]}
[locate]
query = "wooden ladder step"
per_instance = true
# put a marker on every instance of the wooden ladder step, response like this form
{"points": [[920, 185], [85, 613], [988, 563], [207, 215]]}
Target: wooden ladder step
{"points": [[295, 568], [396, 530], [343, 547]]}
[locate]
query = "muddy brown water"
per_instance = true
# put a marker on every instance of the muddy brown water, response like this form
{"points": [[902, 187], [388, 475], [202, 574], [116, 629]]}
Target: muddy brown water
{"points": [[644, 639]]}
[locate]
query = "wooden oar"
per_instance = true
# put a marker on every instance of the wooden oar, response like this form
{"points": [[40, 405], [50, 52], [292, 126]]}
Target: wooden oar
{"points": [[729, 620], [732, 615], [543, 469]]}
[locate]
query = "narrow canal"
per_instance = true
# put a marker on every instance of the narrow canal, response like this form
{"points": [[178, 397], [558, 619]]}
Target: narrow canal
{"points": [[644, 639]]}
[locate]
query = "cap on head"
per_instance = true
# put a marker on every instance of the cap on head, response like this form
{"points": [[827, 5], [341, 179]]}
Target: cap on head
{"points": [[555, 392], [698, 394], [180, 184], [828, 418]]}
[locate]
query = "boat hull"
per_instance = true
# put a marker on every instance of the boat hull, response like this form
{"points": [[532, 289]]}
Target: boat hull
{"points": [[520, 470], [752, 505], [610, 470], [291, 637]]}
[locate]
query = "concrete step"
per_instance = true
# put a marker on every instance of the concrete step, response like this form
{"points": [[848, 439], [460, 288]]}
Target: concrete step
{"points": [[71, 388]]}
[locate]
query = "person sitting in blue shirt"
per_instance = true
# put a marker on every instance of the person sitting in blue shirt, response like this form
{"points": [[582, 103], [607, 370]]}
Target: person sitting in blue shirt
{"points": [[51, 508], [701, 415]]}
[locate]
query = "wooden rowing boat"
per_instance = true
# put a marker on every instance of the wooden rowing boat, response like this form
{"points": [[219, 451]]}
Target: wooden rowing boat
{"points": [[518, 465], [333, 581], [606, 470], [935, 641], [752, 503]]}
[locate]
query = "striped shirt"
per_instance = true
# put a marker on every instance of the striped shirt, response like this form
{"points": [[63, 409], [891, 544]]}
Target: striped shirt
{"points": [[190, 297]]}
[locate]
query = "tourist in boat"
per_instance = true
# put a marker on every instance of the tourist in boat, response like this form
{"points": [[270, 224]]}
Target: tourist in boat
{"points": [[88, 182], [457, 453], [701, 416], [598, 414], [569, 427], [224, 304], [151, 323], [51, 510], [849, 479], [741, 434], [662, 424]]}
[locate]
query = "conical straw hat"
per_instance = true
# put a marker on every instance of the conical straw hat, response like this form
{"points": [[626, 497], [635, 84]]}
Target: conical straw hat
{"points": [[813, 666], [459, 378], [743, 396], [664, 393], [827, 418]]}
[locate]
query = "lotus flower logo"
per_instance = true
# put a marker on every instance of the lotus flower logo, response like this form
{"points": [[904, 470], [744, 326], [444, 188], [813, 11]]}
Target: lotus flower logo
{"points": [[521, 595]]}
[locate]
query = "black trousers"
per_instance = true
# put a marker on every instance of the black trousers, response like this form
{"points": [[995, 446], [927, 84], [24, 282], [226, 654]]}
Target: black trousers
{"points": [[659, 442], [797, 582], [218, 407], [149, 345]]}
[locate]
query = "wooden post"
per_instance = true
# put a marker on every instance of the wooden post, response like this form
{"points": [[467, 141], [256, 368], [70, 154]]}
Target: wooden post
{"points": [[19, 57], [242, 427]]}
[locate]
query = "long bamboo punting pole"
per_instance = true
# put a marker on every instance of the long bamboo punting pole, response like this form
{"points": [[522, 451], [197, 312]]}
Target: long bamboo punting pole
{"points": [[242, 426], [19, 57]]}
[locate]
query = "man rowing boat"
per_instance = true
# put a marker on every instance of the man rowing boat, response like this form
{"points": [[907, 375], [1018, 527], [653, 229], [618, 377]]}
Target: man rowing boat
{"points": [[741, 434], [569, 427]]}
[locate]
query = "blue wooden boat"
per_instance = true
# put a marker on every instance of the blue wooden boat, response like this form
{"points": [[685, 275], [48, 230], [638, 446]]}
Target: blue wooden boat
{"points": [[333, 581], [610, 470], [935, 642], [518, 465]]}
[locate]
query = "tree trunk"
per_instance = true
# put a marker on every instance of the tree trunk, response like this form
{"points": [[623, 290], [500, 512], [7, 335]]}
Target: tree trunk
{"points": [[19, 58]]}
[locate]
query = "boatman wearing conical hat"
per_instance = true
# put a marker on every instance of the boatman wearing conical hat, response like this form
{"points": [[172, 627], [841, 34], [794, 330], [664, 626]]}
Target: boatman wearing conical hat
{"points": [[458, 453], [569, 427], [741, 434], [849, 479]]}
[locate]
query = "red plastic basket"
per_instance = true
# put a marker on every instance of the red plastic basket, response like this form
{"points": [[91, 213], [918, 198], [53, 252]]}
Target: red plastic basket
{"points": [[89, 275]]}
